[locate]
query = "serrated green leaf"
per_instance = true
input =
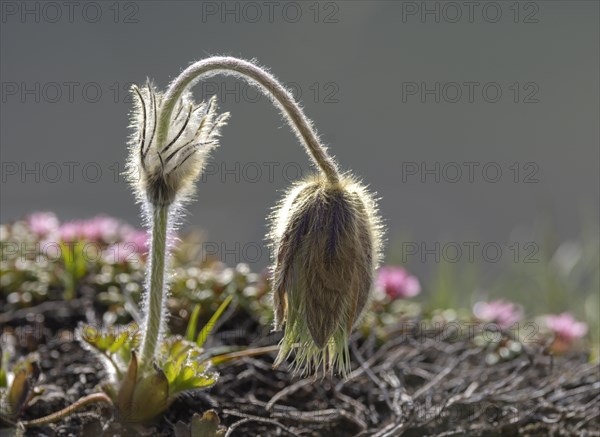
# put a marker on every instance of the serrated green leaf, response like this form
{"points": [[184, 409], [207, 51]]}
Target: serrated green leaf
{"points": [[170, 370], [189, 375], [118, 342]]}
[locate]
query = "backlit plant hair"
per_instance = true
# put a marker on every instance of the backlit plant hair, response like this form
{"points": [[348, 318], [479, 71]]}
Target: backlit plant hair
{"points": [[325, 235], [164, 164]]}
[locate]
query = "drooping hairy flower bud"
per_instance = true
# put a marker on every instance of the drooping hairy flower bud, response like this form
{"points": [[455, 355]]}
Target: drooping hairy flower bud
{"points": [[326, 239], [164, 173]]}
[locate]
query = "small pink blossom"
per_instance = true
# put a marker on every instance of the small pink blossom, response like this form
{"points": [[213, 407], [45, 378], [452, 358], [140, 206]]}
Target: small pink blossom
{"points": [[137, 239], [42, 223], [501, 312], [566, 327], [70, 231], [398, 283], [98, 229]]}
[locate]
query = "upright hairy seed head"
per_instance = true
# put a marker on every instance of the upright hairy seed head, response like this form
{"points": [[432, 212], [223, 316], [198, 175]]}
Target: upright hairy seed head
{"points": [[326, 238], [165, 160], [165, 173]]}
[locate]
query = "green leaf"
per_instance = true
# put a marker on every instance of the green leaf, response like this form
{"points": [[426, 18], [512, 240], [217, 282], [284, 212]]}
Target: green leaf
{"points": [[117, 341], [212, 322], [75, 266], [190, 375], [4, 358], [20, 393], [170, 370], [241, 353], [206, 425], [184, 367], [150, 398], [190, 333], [128, 385]]}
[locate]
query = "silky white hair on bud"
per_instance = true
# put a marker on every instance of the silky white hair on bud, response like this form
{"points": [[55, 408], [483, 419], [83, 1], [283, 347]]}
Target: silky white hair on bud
{"points": [[163, 166], [165, 173], [326, 241]]}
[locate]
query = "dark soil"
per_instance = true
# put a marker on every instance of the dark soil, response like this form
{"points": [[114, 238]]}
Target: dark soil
{"points": [[409, 386]]}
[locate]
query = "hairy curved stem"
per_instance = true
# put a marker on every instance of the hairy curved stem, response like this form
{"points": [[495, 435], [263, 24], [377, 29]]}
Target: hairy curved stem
{"points": [[268, 84], [156, 283], [80, 403]]}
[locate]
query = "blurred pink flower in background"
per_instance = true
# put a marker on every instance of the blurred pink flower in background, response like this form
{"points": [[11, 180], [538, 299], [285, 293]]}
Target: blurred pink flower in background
{"points": [[566, 327], [42, 223], [397, 282], [70, 231], [501, 312], [137, 239], [121, 238], [100, 228], [97, 229]]}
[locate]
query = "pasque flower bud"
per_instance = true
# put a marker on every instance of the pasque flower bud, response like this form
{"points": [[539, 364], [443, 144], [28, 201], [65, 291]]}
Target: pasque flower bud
{"points": [[326, 239], [164, 173], [172, 136]]}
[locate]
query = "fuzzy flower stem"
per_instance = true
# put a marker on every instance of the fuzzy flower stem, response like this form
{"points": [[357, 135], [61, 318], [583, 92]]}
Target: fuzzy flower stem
{"points": [[268, 84], [156, 268]]}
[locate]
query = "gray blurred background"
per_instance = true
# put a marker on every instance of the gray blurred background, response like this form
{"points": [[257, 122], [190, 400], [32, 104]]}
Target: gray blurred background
{"points": [[361, 69]]}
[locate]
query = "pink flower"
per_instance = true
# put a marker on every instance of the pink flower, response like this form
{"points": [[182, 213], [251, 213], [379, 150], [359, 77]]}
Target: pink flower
{"points": [[42, 223], [501, 312], [397, 282], [98, 229], [70, 231], [566, 327], [136, 239]]}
